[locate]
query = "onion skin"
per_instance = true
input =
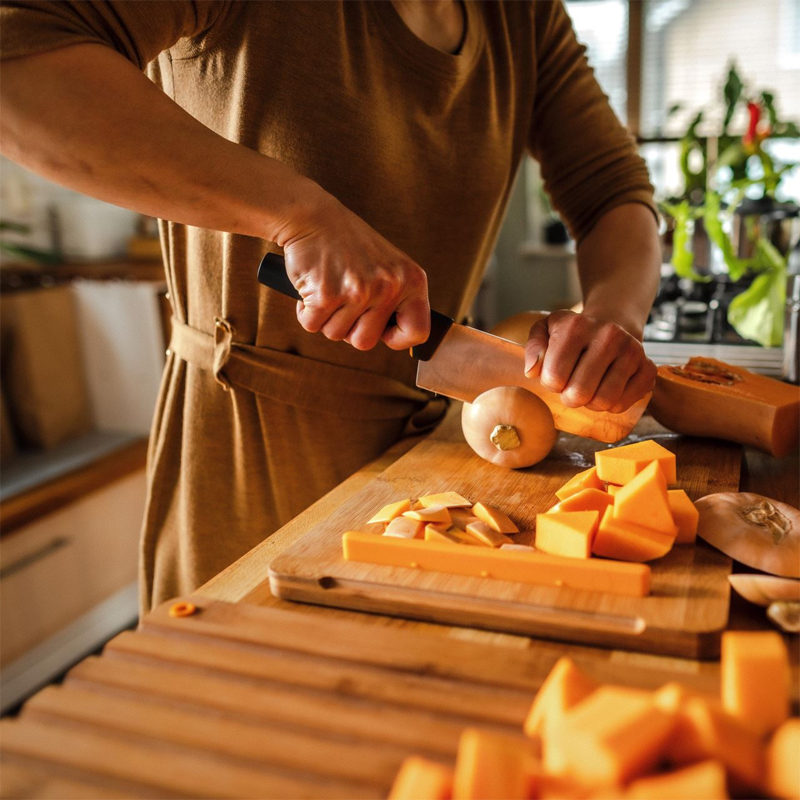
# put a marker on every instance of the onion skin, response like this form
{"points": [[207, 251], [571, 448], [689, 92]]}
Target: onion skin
{"points": [[752, 529], [509, 426]]}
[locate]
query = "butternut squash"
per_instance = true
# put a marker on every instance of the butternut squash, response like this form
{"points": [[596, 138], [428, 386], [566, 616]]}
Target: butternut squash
{"points": [[612, 736], [564, 687], [644, 501], [583, 480], [388, 513], [491, 766], [627, 541], [509, 426], [487, 535], [586, 500], [705, 730], [684, 514], [494, 518], [446, 499], [706, 397], [566, 533], [421, 779], [783, 761], [621, 464], [517, 328], [429, 514], [755, 679], [405, 528], [703, 781]]}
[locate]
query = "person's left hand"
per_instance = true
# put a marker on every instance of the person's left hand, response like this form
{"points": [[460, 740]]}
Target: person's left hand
{"points": [[591, 362]]}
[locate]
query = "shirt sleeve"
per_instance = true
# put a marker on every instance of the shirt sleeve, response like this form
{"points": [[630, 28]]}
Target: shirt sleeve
{"points": [[589, 161], [138, 29]]}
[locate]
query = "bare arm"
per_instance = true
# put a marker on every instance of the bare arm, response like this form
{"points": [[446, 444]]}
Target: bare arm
{"points": [[85, 117], [596, 358]]}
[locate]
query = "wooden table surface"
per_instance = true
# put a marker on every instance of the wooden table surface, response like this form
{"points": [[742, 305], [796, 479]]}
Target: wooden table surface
{"points": [[256, 697]]}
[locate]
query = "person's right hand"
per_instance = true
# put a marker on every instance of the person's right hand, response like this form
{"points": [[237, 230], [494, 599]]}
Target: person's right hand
{"points": [[351, 279]]}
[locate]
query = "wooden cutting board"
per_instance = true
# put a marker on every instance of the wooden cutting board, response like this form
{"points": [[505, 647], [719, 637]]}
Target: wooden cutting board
{"points": [[684, 614]]}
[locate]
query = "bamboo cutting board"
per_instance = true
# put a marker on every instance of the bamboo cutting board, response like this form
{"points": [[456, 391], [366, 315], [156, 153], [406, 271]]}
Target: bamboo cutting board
{"points": [[684, 614]]}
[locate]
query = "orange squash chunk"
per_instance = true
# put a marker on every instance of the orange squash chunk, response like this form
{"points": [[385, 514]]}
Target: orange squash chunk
{"points": [[487, 535], [404, 528], [783, 761], [586, 500], [538, 569], [491, 766], [644, 501], [429, 514], [673, 696], [564, 687], [621, 464], [710, 398], [583, 480], [704, 781], [388, 513], [495, 519], [628, 542], [420, 779], [446, 499], [613, 735], [461, 517], [613, 489], [706, 731], [566, 533], [685, 515], [755, 679], [434, 533]]}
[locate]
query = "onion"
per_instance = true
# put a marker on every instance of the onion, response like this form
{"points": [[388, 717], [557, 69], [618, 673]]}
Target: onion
{"points": [[754, 530], [509, 426]]}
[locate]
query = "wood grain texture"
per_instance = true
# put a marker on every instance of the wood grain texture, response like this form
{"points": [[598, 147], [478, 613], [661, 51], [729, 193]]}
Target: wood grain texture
{"points": [[684, 614]]}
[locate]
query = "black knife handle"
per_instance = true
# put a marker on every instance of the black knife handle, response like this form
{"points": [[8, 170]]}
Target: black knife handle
{"points": [[272, 273]]}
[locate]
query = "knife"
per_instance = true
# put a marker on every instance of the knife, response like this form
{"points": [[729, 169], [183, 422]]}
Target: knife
{"points": [[462, 362]]}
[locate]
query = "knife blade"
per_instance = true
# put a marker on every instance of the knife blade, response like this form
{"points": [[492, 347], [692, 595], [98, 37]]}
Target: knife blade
{"points": [[462, 362]]}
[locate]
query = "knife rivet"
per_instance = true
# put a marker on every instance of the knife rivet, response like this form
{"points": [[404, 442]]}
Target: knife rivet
{"points": [[169, 352]]}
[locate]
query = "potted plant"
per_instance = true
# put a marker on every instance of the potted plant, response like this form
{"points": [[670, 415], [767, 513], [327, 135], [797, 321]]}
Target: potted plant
{"points": [[729, 214]]}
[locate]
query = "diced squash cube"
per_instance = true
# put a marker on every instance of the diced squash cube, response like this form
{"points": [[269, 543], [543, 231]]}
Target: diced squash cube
{"points": [[491, 766], [388, 513], [673, 696], [625, 541], [783, 761], [429, 514], [612, 736], [565, 686], [446, 499], [421, 779], [520, 547], [644, 501], [755, 679], [583, 480], [495, 519], [405, 528], [704, 781], [586, 500], [613, 489], [434, 533], [685, 515], [486, 534], [706, 731], [620, 464], [567, 533], [461, 517]]}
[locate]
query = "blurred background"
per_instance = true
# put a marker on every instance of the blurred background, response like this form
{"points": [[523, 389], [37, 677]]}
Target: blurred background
{"points": [[711, 91]]}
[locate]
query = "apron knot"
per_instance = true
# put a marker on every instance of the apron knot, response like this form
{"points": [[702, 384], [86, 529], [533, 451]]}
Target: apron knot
{"points": [[223, 340]]}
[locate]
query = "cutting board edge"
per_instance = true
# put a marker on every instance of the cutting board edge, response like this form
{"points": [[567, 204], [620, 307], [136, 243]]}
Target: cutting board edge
{"points": [[703, 644]]}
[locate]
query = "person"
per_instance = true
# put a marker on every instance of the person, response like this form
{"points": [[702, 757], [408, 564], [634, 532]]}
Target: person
{"points": [[376, 144]]}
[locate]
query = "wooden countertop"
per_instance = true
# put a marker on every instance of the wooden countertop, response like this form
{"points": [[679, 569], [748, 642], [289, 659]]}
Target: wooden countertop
{"points": [[255, 697]]}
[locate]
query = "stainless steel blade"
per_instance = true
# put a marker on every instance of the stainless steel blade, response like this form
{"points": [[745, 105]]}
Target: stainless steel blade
{"points": [[468, 362]]}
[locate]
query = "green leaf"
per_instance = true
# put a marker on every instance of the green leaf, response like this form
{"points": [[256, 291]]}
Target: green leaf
{"points": [[768, 101], [732, 91], [40, 256], [15, 227], [713, 222], [757, 313], [682, 255]]}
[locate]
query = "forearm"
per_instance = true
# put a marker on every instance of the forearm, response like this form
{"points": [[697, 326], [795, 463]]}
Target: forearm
{"points": [[619, 264], [86, 118]]}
